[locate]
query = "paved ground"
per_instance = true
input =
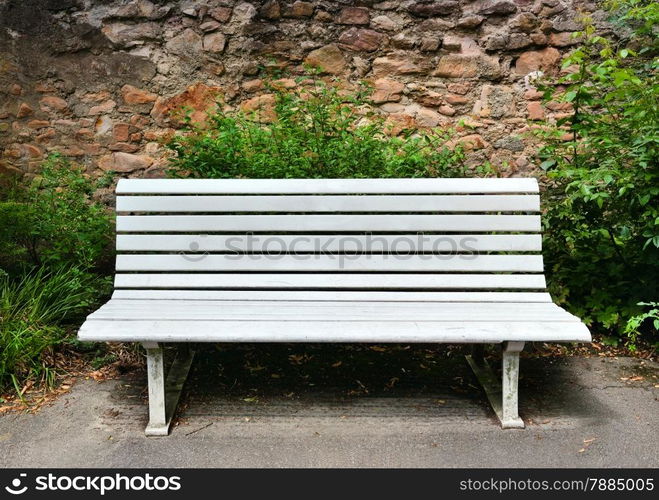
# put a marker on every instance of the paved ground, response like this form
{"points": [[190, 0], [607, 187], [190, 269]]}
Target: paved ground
{"points": [[580, 412]]}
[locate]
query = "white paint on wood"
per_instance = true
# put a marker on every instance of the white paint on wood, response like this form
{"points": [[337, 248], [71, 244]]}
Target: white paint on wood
{"points": [[333, 331], [328, 296], [337, 204], [327, 186], [330, 243], [331, 281], [335, 263], [243, 223]]}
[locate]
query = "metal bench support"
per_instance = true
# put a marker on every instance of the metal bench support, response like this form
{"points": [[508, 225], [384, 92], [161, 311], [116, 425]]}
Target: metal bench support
{"points": [[164, 390], [502, 396]]}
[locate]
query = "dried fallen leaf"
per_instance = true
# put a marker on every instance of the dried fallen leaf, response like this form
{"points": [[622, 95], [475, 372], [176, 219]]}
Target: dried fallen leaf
{"points": [[337, 364]]}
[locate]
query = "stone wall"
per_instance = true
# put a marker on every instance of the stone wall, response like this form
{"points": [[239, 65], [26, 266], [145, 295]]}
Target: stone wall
{"points": [[100, 80]]}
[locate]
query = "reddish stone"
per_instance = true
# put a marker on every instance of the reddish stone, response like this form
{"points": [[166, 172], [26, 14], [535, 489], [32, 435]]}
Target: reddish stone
{"points": [[15, 89], [428, 118], [31, 151], [459, 88], [447, 110], [456, 99], [253, 85], [362, 39], [323, 17], [51, 104], [221, 14], [125, 162], [398, 65], [199, 98], [431, 98], [546, 60], [121, 132], [24, 110], [468, 66], [398, 122], [563, 39], [559, 106], [353, 15], [470, 142], [329, 59], [84, 133], [139, 121], [104, 107], [539, 38], [47, 136], [135, 137], [37, 124], [92, 149], [387, 90], [260, 108], [133, 95], [214, 42], [470, 22], [96, 96], [533, 95], [44, 88], [535, 110]]}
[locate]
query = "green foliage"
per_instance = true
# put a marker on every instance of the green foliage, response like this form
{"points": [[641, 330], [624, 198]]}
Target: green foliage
{"points": [[34, 311], [602, 221], [635, 324], [319, 132], [52, 222], [51, 237]]}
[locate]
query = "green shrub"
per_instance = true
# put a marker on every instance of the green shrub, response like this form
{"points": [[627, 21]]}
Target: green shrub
{"points": [[52, 222], [35, 309], [319, 132], [602, 221]]}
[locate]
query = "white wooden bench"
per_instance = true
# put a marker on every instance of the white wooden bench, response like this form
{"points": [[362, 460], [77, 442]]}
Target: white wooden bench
{"points": [[365, 260]]}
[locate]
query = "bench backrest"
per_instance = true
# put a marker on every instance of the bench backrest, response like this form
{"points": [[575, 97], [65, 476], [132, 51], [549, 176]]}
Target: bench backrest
{"points": [[473, 235]]}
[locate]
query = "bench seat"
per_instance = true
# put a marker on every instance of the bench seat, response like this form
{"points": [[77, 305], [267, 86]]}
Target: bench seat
{"points": [[376, 320], [330, 260]]}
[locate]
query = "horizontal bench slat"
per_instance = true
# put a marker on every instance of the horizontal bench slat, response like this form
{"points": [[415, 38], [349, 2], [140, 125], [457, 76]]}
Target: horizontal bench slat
{"points": [[189, 223], [337, 263], [326, 186], [335, 331], [331, 281], [329, 296], [334, 243], [141, 310], [404, 203]]}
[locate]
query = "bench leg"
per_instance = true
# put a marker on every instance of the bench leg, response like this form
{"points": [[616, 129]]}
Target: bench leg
{"points": [[164, 392], [502, 396], [510, 418]]}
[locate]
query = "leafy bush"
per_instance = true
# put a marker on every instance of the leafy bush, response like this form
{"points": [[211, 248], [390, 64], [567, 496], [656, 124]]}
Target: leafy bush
{"points": [[52, 222], [602, 224], [317, 131], [34, 311], [52, 236]]}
